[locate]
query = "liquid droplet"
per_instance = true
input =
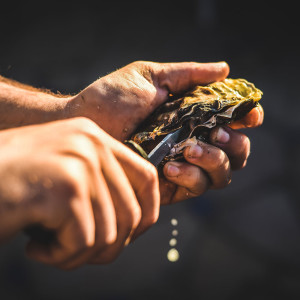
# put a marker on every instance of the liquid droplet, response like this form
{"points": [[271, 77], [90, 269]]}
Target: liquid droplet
{"points": [[172, 242], [173, 255], [174, 222], [175, 232]]}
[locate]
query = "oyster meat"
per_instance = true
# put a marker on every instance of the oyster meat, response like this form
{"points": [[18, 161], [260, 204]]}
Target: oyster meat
{"points": [[197, 111]]}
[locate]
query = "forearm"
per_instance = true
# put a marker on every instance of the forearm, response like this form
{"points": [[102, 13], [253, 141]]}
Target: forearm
{"points": [[14, 191], [24, 105]]}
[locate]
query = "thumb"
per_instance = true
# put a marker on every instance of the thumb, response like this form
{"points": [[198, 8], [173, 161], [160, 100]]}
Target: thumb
{"points": [[179, 77]]}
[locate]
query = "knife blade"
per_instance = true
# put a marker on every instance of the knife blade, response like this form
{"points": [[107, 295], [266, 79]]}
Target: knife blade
{"points": [[164, 147]]}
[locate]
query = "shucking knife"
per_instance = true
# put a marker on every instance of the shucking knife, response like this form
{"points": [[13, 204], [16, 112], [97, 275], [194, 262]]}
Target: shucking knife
{"points": [[164, 147]]}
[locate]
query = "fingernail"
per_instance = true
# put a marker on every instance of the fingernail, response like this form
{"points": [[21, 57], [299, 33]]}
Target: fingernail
{"points": [[195, 151], [172, 170], [222, 136]]}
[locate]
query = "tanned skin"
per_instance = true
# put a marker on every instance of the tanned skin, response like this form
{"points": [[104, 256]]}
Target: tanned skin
{"points": [[64, 166]]}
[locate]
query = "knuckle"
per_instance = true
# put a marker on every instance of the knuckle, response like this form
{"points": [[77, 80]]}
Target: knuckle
{"points": [[131, 219], [136, 216], [149, 183], [79, 124], [247, 146], [83, 122], [241, 146], [71, 172], [81, 243], [68, 187], [110, 238], [191, 176], [85, 127], [151, 176], [105, 240], [199, 182], [239, 158], [150, 219], [196, 179], [80, 156]]}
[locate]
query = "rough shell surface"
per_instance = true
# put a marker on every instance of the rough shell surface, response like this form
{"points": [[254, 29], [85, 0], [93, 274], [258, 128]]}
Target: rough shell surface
{"points": [[198, 111]]}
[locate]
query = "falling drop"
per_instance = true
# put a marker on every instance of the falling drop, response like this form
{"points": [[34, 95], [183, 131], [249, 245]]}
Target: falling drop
{"points": [[174, 222], [173, 255], [172, 242]]}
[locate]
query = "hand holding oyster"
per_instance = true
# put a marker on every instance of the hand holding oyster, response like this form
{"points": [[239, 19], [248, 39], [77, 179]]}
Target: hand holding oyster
{"points": [[197, 111]]}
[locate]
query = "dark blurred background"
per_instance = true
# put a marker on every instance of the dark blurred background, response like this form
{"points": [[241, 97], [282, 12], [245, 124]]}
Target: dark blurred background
{"points": [[239, 243]]}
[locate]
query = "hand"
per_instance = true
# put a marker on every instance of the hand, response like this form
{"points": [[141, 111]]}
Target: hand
{"points": [[209, 166], [74, 179], [120, 101]]}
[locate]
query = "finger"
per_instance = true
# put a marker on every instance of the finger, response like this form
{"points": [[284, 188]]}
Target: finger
{"points": [[104, 214], [235, 144], [127, 208], [212, 160], [144, 180], [179, 77], [253, 119], [191, 180], [75, 235], [186, 175], [105, 222]]}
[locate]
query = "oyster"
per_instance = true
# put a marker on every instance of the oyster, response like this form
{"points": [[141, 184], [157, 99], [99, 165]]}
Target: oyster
{"points": [[198, 111]]}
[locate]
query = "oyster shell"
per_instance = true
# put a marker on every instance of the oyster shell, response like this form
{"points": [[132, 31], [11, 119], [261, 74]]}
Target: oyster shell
{"points": [[198, 111]]}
